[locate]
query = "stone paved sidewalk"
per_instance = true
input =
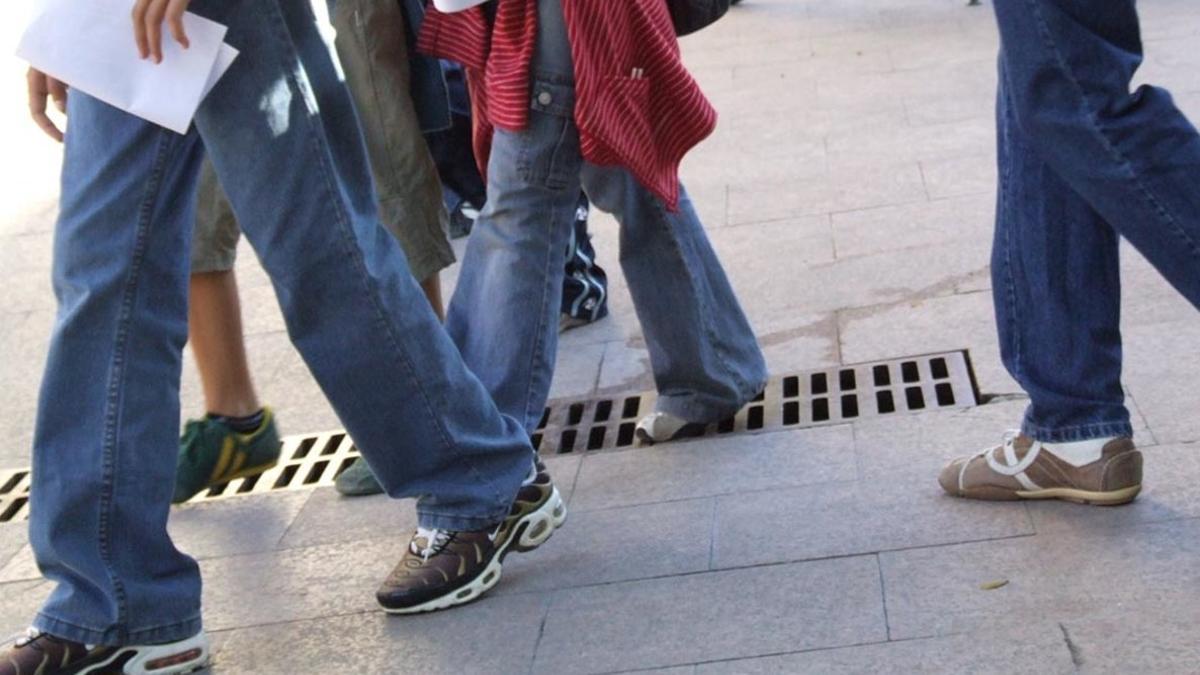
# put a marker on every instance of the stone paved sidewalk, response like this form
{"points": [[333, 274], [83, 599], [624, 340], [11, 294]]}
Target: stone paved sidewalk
{"points": [[849, 192]]}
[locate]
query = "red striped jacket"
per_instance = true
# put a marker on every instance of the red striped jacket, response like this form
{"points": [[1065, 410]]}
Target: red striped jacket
{"points": [[636, 105]]}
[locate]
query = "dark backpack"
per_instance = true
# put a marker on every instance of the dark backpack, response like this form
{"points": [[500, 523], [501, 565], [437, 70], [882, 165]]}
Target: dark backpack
{"points": [[690, 16]]}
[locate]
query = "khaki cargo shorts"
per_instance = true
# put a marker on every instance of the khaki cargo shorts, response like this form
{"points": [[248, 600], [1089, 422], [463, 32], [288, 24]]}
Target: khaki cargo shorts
{"points": [[371, 47]]}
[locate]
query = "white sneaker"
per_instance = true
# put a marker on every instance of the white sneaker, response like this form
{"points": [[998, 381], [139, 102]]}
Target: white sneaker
{"points": [[661, 427]]}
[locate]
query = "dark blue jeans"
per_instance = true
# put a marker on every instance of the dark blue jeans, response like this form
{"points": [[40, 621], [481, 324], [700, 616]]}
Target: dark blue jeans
{"points": [[281, 132], [1082, 162]]}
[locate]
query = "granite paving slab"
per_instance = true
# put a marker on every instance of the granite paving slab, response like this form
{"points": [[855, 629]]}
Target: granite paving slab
{"points": [[687, 619]]}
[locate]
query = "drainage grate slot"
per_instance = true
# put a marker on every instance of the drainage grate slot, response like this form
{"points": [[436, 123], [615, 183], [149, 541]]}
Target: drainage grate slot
{"points": [[14, 507], [882, 375], [286, 476], [847, 381], [885, 402], [915, 397], [633, 405], [796, 400], [567, 444], [849, 406], [754, 418], [603, 411], [596, 438], [820, 410], [791, 386], [819, 383], [791, 413]]}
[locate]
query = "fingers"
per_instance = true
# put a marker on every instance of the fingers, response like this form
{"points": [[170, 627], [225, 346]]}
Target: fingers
{"points": [[154, 21], [58, 93], [175, 12], [147, 28], [38, 91], [140, 9]]}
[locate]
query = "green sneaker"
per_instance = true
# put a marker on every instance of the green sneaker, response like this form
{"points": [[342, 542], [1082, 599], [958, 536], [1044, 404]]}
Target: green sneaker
{"points": [[357, 480], [210, 454]]}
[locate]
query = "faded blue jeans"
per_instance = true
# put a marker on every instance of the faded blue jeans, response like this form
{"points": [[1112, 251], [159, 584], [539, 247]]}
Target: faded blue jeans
{"points": [[1083, 162], [504, 313], [281, 132]]}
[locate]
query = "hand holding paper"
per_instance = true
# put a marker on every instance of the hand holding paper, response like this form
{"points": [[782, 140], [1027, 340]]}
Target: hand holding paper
{"points": [[94, 47]]}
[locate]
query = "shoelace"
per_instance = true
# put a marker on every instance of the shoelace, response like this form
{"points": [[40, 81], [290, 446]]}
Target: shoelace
{"points": [[1014, 467], [435, 542], [23, 638]]}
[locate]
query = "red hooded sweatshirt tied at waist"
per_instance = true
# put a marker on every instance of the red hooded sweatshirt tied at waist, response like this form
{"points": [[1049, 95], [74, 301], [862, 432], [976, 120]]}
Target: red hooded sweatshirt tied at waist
{"points": [[636, 105]]}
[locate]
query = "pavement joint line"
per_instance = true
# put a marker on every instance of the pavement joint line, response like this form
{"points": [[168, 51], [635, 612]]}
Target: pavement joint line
{"points": [[830, 648], [887, 623], [537, 643]]}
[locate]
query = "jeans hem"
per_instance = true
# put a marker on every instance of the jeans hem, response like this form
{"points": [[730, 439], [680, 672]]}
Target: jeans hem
{"points": [[1082, 432], [118, 637], [459, 523], [703, 409]]}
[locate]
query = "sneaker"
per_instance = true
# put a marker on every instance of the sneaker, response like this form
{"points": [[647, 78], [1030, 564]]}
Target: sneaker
{"points": [[1022, 468], [42, 654], [211, 454], [661, 427], [357, 480], [443, 569]]}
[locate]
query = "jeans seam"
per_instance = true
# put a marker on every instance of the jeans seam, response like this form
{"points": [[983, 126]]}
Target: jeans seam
{"points": [[117, 373], [536, 355], [1013, 318], [355, 255], [1098, 128]]}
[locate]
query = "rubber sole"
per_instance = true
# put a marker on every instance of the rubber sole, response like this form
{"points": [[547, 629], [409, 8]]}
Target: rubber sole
{"points": [[689, 430], [248, 472], [533, 530], [1109, 498], [177, 658]]}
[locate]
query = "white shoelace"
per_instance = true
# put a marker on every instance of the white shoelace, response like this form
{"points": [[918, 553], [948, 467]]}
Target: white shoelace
{"points": [[435, 541], [1013, 467], [23, 638]]}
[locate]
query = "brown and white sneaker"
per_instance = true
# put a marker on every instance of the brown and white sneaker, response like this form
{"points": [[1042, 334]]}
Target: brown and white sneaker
{"points": [[1022, 468], [37, 653], [442, 569]]}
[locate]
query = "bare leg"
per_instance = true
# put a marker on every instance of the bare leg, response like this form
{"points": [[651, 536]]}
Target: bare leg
{"points": [[215, 333], [433, 292]]}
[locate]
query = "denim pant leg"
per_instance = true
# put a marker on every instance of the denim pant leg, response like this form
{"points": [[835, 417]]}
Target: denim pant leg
{"points": [[706, 360], [108, 417], [1133, 157], [425, 424], [504, 312], [1057, 287]]}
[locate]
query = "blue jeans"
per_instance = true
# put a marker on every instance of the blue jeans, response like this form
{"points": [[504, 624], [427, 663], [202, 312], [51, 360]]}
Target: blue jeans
{"points": [[504, 313], [1082, 162], [281, 132]]}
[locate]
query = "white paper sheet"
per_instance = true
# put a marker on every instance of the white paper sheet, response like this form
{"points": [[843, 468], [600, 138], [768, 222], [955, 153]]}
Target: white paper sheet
{"points": [[456, 5], [89, 45]]}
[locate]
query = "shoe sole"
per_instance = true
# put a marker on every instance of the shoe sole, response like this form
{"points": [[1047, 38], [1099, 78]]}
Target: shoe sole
{"points": [[689, 430], [249, 472], [1110, 498], [174, 659], [533, 530]]}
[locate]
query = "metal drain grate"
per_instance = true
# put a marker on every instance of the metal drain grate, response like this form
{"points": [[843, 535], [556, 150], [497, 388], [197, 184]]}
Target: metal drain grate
{"points": [[814, 398]]}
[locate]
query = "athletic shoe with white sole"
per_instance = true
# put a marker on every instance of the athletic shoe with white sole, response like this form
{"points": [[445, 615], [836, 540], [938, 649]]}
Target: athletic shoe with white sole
{"points": [[38, 653], [1022, 468], [661, 427], [443, 569]]}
